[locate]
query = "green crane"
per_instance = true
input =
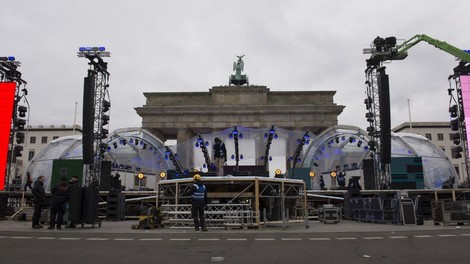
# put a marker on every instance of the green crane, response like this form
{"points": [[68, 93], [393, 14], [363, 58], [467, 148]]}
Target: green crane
{"points": [[386, 49], [378, 101]]}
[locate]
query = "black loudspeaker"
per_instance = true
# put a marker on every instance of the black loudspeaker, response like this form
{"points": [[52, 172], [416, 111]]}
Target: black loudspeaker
{"points": [[75, 203], [90, 204], [369, 174], [385, 123], [3, 205], [88, 118], [105, 177], [116, 206]]}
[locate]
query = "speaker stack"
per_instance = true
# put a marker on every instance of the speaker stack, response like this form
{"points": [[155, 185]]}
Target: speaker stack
{"points": [[88, 119]]}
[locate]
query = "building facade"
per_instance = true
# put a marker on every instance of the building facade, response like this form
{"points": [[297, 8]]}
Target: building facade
{"points": [[36, 139], [183, 115], [439, 134]]}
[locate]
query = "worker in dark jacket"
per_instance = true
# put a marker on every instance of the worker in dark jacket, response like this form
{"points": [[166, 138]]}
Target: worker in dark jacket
{"points": [[60, 196], [39, 199], [199, 201], [220, 156]]}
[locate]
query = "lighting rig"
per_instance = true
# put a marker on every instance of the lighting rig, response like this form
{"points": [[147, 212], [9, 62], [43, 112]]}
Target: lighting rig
{"points": [[169, 155], [305, 140], [269, 136], [377, 104], [9, 74], [458, 124], [200, 143], [236, 135], [96, 104]]}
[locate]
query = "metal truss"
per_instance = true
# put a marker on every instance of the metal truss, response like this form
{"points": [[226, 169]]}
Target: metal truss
{"points": [[462, 125], [382, 171], [101, 101], [9, 73], [217, 215]]}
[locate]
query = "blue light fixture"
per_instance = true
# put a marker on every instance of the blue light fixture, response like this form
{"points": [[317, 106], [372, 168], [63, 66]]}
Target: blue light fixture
{"points": [[81, 49], [11, 58], [101, 48]]}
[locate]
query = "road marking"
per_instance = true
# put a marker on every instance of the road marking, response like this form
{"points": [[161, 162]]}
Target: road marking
{"points": [[264, 239], [319, 238], [180, 239], [394, 237], [123, 239], [21, 237], [3, 237], [69, 238], [209, 239], [422, 236], [291, 238], [446, 235], [46, 238], [97, 239], [372, 238], [217, 259], [236, 239], [465, 234], [345, 238], [150, 239]]}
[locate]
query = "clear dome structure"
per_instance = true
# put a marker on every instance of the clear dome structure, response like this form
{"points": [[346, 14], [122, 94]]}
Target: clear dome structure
{"points": [[128, 148], [437, 167], [341, 146]]}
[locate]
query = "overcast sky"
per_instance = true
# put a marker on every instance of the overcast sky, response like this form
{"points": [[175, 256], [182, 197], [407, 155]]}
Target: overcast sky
{"points": [[190, 45]]}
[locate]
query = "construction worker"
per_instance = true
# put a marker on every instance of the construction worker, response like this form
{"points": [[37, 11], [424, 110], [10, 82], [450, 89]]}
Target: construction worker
{"points": [[199, 202], [220, 156]]}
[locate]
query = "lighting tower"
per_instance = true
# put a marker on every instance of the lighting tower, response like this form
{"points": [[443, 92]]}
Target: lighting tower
{"points": [[9, 74], [377, 103], [96, 104]]}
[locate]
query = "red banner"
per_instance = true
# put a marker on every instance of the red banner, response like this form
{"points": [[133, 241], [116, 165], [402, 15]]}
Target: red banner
{"points": [[7, 96]]}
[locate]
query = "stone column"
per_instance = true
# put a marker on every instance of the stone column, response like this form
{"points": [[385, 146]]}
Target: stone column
{"points": [[186, 154]]}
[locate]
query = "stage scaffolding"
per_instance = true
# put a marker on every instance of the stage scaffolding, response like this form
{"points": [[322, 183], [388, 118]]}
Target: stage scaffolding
{"points": [[242, 201]]}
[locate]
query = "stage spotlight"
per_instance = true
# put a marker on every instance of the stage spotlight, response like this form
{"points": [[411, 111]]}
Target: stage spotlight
{"points": [[455, 137], [115, 145], [333, 174], [351, 140], [453, 111], [359, 143], [162, 175], [311, 174], [454, 124], [337, 140]]}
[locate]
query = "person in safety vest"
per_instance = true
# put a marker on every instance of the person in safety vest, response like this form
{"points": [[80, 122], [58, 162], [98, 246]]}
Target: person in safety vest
{"points": [[199, 201]]}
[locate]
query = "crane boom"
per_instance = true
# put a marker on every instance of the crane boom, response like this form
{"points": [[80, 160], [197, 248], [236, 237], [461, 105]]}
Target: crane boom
{"points": [[442, 45]]}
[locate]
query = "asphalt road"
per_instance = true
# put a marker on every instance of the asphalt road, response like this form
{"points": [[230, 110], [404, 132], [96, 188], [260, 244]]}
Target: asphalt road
{"points": [[428, 246]]}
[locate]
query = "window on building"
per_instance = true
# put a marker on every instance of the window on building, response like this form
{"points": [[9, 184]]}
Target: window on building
{"points": [[55, 137], [32, 140], [440, 136], [44, 140], [457, 170], [428, 136], [30, 155]]}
